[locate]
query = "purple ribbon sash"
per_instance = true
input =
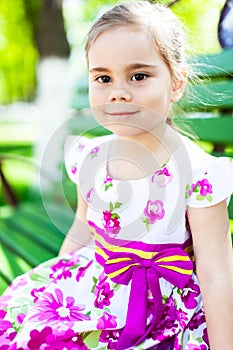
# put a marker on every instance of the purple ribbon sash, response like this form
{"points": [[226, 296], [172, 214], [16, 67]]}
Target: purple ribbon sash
{"points": [[172, 264]]}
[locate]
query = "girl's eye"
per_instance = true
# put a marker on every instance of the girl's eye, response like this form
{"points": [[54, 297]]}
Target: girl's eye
{"points": [[139, 76], [103, 79]]}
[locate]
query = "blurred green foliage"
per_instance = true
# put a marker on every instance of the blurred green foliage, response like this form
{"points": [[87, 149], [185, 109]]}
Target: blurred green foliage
{"points": [[199, 17], [17, 50], [91, 8]]}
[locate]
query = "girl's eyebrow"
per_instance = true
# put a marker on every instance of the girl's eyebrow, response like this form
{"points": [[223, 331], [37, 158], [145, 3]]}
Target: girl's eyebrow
{"points": [[99, 69], [141, 65], [130, 66]]}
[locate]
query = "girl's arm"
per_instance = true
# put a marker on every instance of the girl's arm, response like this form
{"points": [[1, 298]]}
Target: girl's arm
{"points": [[79, 234], [213, 256]]}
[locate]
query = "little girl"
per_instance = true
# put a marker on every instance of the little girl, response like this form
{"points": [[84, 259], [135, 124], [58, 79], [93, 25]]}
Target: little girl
{"points": [[147, 263]]}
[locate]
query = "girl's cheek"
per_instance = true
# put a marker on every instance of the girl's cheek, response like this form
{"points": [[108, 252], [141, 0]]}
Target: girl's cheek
{"points": [[95, 98]]}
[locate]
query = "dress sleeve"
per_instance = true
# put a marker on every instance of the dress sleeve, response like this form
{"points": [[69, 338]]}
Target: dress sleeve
{"points": [[76, 147], [212, 184]]}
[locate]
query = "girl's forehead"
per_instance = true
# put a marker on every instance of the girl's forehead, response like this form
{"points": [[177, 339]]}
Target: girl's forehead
{"points": [[127, 31], [126, 41]]}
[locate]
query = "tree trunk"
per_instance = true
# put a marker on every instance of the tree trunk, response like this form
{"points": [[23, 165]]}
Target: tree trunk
{"points": [[50, 33], [54, 90]]}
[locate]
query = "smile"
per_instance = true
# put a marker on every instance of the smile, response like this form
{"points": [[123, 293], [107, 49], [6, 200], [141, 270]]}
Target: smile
{"points": [[121, 115]]}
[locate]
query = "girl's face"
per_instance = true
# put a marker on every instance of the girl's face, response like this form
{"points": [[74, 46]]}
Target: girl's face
{"points": [[130, 86]]}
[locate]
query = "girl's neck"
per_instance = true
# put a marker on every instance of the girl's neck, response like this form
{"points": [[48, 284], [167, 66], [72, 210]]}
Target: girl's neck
{"points": [[139, 156], [150, 140]]}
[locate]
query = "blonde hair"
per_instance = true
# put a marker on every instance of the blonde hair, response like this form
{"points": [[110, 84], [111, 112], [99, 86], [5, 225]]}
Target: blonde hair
{"points": [[158, 21]]}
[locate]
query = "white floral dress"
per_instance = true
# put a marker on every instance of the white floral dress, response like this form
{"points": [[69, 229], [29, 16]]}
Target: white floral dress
{"points": [[134, 286]]}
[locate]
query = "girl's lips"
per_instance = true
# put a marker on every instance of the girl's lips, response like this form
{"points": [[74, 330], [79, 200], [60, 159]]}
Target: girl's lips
{"points": [[121, 115]]}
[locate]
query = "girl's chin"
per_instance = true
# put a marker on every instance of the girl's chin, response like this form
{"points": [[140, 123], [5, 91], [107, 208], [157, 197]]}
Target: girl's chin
{"points": [[124, 130], [127, 120]]}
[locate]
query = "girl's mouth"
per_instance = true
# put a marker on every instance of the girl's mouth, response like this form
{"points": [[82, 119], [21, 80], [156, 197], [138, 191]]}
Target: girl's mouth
{"points": [[121, 114]]}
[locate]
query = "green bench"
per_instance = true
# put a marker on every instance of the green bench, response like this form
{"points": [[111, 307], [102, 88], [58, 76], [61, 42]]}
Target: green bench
{"points": [[28, 236], [32, 232], [208, 104], [32, 224]]}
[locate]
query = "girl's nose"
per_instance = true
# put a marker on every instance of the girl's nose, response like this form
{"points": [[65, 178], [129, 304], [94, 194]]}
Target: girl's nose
{"points": [[119, 95]]}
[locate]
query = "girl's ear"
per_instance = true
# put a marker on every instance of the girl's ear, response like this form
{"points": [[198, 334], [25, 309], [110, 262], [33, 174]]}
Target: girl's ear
{"points": [[178, 87]]}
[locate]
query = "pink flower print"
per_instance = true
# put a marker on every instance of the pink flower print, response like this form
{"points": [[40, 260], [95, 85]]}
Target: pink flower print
{"points": [[197, 347], [62, 269], [106, 321], [38, 338], [205, 187], [162, 177], [4, 325], [176, 345], [111, 337], [52, 339], [20, 318], [169, 321], [102, 278], [154, 211], [4, 299], [197, 320], [52, 308], [90, 195], [205, 336], [111, 222], [19, 282], [94, 152], [182, 318], [74, 169], [191, 190], [103, 295], [202, 188], [82, 271], [190, 296], [7, 332], [107, 182], [36, 292], [68, 340], [80, 147]]}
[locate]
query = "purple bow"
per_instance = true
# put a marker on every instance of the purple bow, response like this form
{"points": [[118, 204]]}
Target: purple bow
{"points": [[173, 264]]}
